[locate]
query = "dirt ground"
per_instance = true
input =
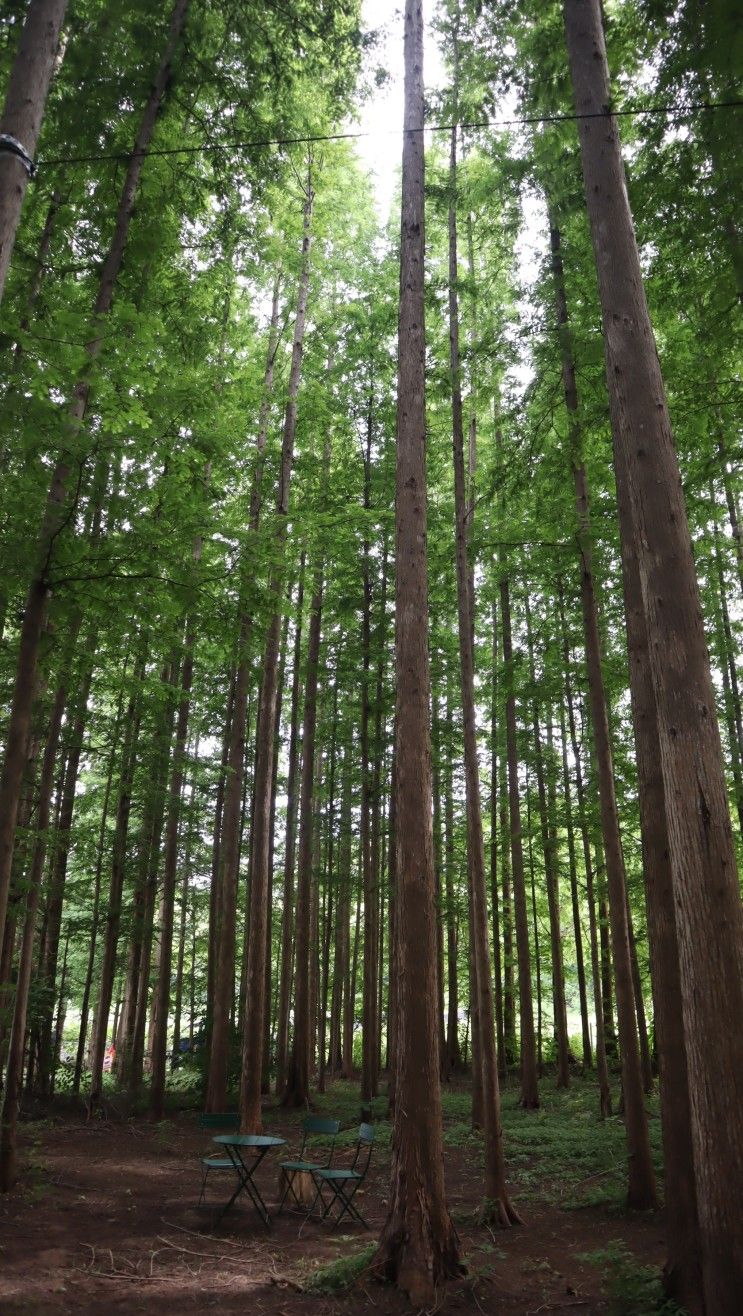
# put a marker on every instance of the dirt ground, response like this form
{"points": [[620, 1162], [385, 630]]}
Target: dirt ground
{"points": [[106, 1221]]}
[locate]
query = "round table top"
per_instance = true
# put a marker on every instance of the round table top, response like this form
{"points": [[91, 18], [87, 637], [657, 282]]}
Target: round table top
{"points": [[249, 1140]]}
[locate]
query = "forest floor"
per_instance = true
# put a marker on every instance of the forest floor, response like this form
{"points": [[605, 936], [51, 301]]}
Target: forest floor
{"points": [[105, 1220]]}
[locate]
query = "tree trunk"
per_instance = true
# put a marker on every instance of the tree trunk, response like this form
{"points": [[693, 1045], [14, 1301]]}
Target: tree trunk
{"points": [[287, 917], [255, 1004], [116, 883], [641, 1192], [418, 1245], [574, 897], [549, 850], [223, 998], [703, 862], [161, 1001], [55, 511], [20, 122], [602, 1068], [297, 1089], [497, 1203], [529, 1081], [14, 1071], [494, 839], [683, 1272]]}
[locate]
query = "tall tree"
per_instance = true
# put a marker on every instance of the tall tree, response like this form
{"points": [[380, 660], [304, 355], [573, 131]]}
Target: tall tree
{"points": [[23, 111], [702, 853], [418, 1246]]}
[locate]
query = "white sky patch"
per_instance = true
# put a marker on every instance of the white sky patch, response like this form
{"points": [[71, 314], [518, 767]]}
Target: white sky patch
{"points": [[381, 117]]}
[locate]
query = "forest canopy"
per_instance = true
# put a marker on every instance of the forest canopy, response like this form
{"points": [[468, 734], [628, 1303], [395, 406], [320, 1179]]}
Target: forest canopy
{"points": [[371, 584]]}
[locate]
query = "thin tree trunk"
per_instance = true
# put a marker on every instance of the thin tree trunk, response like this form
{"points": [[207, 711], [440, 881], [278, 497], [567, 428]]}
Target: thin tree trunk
{"points": [[229, 845], [255, 1004], [498, 1206], [494, 839], [287, 918], [641, 1192], [549, 850], [297, 1089], [161, 1001], [113, 915], [602, 1068], [100, 850], [529, 1081], [574, 896]]}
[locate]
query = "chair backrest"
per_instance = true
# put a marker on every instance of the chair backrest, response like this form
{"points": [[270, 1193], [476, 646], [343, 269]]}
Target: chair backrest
{"points": [[215, 1119], [365, 1144], [315, 1126]]}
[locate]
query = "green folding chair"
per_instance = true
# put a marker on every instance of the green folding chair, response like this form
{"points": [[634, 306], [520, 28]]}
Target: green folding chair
{"points": [[216, 1122], [312, 1127], [343, 1182]]}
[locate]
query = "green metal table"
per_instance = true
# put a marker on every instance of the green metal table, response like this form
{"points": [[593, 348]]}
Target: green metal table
{"points": [[246, 1151]]}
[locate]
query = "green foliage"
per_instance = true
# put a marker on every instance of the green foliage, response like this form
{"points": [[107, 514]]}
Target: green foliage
{"points": [[340, 1274], [634, 1290]]}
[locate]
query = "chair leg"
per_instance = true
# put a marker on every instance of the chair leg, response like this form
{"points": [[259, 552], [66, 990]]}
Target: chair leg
{"points": [[204, 1178]]}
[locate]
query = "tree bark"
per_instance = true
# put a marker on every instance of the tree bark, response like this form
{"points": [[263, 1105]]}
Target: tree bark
{"points": [[418, 1246], [498, 1205], [297, 1089], [35, 610], [549, 850], [255, 1003], [287, 917], [703, 862], [529, 1080], [232, 813], [14, 1070], [23, 111]]}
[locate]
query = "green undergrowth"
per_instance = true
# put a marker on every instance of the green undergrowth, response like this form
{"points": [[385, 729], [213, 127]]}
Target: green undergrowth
{"points": [[340, 1274], [634, 1290]]}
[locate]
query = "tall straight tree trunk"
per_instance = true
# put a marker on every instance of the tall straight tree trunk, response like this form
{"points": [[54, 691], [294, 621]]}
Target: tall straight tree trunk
{"points": [[287, 917], [23, 111], [702, 852], [549, 850], [100, 851], [418, 1246], [297, 1089], [438, 865], [55, 511], [534, 924], [494, 838], [215, 902], [232, 812], [641, 1192], [161, 1001], [14, 1070], [369, 1071], [509, 1007], [116, 882], [182, 919], [255, 1003], [498, 1205], [574, 895], [58, 873], [454, 1052], [529, 1080], [683, 1272], [602, 1068]]}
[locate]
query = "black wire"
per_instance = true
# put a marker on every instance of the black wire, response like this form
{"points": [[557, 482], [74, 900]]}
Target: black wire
{"points": [[671, 111]]}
